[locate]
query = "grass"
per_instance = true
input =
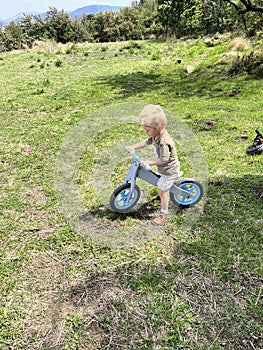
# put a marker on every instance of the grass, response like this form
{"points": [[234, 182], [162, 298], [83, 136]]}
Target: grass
{"points": [[194, 289]]}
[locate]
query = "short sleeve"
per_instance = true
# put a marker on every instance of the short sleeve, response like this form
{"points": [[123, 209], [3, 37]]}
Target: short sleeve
{"points": [[149, 141]]}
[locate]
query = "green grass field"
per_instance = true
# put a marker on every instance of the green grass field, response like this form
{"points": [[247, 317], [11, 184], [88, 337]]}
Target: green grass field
{"points": [[199, 288]]}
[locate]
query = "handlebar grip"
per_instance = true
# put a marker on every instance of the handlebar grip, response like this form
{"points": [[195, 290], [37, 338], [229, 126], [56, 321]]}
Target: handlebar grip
{"points": [[258, 133], [134, 155], [147, 168]]}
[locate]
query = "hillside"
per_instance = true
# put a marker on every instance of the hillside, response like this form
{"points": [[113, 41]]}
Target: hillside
{"points": [[93, 9], [74, 274]]}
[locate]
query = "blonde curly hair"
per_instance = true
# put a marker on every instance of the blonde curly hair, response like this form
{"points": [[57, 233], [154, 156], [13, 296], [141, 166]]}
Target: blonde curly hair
{"points": [[153, 115]]}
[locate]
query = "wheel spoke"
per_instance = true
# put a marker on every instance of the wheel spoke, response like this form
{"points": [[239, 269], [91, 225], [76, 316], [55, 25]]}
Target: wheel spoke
{"points": [[119, 199], [194, 193], [122, 197]]}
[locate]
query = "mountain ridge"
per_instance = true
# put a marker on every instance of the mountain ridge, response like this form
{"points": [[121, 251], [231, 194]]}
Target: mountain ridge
{"points": [[87, 10]]}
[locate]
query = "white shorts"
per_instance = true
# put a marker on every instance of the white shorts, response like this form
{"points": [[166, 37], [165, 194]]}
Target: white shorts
{"points": [[166, 181]]}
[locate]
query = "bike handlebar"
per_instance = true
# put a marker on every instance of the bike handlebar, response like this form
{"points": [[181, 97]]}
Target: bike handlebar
{"points": [[139, 160], [258, 133]]}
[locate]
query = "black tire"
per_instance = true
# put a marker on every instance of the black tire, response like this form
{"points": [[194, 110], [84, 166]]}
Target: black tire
{"points": [[118, 197], [194, 187], [255, 150]]}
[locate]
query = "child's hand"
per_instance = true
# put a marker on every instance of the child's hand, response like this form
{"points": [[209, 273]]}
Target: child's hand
{"points": [[144, 164], [129, 149]]}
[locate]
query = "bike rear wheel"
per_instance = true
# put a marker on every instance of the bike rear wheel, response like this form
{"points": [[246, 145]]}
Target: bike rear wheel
{"points": [[195, 189]]}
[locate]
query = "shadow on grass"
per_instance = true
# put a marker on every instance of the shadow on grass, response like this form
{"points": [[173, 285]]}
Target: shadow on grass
{"points": [[140, 212], [178, 83], [200, 291]]}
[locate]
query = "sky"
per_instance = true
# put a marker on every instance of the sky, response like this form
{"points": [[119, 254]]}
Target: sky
{"points": [[10, 8]]}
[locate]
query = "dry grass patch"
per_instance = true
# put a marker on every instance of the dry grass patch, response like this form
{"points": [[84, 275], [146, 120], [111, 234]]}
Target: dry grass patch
{"points": [[238, 44], [51, 46]]}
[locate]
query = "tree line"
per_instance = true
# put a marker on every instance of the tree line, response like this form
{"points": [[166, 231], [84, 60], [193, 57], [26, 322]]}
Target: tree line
{"points": [[143, 19]]}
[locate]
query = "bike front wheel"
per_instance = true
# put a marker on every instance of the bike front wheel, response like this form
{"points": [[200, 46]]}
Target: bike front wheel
{"points": [[118, 199], [196, 192]]}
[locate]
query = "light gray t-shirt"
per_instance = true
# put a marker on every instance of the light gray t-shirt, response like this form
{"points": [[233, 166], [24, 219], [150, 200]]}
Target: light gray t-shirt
{"points": [[164, 148]]}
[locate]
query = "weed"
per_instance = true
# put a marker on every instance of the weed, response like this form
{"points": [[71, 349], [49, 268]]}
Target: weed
{"points": [[58, 63], [132, 45]]}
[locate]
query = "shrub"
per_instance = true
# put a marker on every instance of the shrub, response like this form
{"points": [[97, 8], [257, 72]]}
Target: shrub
{"points": [[132, 45], [251, 63]]}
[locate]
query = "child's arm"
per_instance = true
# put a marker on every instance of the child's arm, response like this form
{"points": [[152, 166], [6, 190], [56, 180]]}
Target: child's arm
{"points": [[156, 161], [139, 145], [150, 163]]}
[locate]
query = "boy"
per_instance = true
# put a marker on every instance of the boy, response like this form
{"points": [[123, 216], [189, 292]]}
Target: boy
{"points": [[153, 121]]}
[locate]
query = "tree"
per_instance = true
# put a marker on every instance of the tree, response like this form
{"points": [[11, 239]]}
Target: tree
{"points": [[59, 26], [209, 16], [250, 13], [216, 16], [130, 29], [99, 26], [147, 18], [12, 36], [85, 28], [244, 6], [170, 13], [110, 30], [33, 28]]}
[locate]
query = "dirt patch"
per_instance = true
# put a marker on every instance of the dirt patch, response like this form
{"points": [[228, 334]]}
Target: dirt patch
{"points": [[241, 138], [258, 190], [112, 306], [208, 123]]}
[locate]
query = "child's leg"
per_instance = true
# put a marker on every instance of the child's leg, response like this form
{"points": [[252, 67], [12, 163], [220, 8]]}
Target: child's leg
{"points": [[164, 184], [164, 196]]}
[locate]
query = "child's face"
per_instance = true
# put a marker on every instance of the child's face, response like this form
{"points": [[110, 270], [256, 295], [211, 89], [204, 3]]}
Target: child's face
{"points": [[150, 131]]}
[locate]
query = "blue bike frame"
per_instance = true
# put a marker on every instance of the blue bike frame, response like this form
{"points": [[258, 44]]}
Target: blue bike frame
{"points": [[136, 170]]}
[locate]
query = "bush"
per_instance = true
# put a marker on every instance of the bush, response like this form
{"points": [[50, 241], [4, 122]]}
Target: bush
{"points": [[251, 63], [132, 45]]}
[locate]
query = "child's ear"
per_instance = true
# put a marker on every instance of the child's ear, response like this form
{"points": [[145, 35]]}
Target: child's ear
{"points": [[160, 127]]}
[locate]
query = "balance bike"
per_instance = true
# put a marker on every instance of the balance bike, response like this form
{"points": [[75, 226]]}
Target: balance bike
{"points": [[184, 193]]}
